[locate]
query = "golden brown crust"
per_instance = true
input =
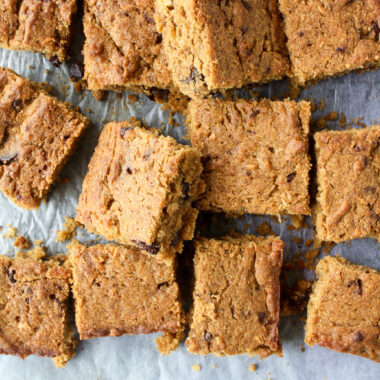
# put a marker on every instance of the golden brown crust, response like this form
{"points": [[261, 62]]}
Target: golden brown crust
{"points": [[37, 135], [34, 316], [331, 37], [236, 296], [119, 290], [348, 178], [255, 155], [140, 188], [344, 308], [37, 25]]}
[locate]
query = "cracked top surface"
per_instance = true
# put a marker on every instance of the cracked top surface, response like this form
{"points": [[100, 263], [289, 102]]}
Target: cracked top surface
{"points": [[37, 25], [119, 290], [330, 37], [213, 45], [37, 135], [348, 178], [123, 48], [236, 296], [33, 309], [344, 308], [255, 155]]}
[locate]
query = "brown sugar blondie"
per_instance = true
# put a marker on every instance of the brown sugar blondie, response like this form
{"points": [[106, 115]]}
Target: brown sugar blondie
{"points": [[34, 308], [217, 45], [37, 135], [140, 188], [344, 308], [255, 155], [348, 179], [122, 47], [236, 296], [37, 25], [119, 290], [329, 37]]}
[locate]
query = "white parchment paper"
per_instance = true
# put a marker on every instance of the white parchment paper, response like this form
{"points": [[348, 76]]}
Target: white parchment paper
{"points": [[135, 357]]}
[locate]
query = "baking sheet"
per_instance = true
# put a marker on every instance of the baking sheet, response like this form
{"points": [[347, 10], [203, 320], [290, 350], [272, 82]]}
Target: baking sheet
{"points": [[135, 357]]}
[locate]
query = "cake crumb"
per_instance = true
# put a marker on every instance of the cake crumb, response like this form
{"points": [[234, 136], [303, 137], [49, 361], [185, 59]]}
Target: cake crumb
{"points": [[196, 367], [252, 367], [12, 233], [69, 230], [169, 342], [22, 243], [38, 242], [302, 347], [298, 221], [213, 366], [322, 104], [309, 242], [264, 229]]}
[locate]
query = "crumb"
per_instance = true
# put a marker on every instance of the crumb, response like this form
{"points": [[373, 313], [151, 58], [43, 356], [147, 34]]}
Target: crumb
{"points": [[264, 229], [321, 123], [302, 347], [297, 240], [12, 233], [309, 242], [298, 221], [169, 342], [213, 366], [246, 226], [31, 67], [88, 109], [133, 98], [312, 254], [322, 104], [119, 95], [252, 367], [64, 180], [98, 94], [46, 71], [342, 120], [69, 230], [332, 116], [38, 242], [21, 242], [196, 367]]}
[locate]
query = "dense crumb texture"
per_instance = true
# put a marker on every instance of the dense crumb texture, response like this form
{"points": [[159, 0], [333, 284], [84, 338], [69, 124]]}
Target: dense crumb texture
{"points": [[215, 45], [255, 155], [119, 290], [37, 135], [123, 48], [140, 188], [37, 25], [331, 37], [34, 315], [344, 309], [348, 178], [236, 296]]}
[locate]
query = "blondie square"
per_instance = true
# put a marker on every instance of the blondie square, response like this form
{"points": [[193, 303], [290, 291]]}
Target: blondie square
{"points": [[37, 135], [331, 37], [122, 47], [217, 45], [119, 290], [344, 308], [34, 308], [140, 188], [348, 179], [236, 296], [255, 155], [37, 25]]}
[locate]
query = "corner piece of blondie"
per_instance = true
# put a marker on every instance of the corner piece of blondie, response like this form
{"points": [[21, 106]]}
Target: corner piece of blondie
{"points": [[255, 155], [140, 188], [348, 179], [344, 308], [34, 308], [236, 299], [38, 133]]}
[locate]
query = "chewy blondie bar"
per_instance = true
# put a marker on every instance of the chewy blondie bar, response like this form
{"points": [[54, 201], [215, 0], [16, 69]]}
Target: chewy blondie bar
{"points": [[348, 179], [140, 188], [344, 308], [236, 296], [255, 155], [34, 308], [37, 135], [217, 45], [37, 25], [119, 290], [122, 47], [329, 37]]}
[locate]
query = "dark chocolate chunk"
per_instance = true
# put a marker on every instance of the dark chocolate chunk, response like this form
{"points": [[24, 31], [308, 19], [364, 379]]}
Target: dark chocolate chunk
{"points": [[148, 19], [376, 29], [246, 5], [125, 129], [248, 52], [129, 170], [208, 336], [163, 284], [6, 160], [254, 114], [76, 70], [359, 290], [52, 297], [158, 38], [243, 31], [11, 275], [358, 337], [300, 34], [366, 161], [205, 159], [16, 103], [194, 76], [55, 61], [150, 248], [262, 315], [290, 177], [370, 189], [27, 300], [340, 50]]}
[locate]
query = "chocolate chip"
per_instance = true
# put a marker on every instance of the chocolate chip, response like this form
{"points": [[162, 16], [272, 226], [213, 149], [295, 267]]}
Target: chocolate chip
{"points": [[194, 75], [205, 159], [359, 290], [376, 29], [358, 337], [76, 70], [290, 177], [166, 283], [52, 297], [158, 38], [150, 248], [55, 61], [357, 148], [125, 129], [254, 114], [148, 19], [340, 50], [246, 5], [27, 300], [6, 160], [243, 31], [208, 336], [11, 275], [249, 52], [217, 95], [370, 189], [16, 103], [300, 34], [262, 316], [185, 189], [366, 161], [373, 215], [129, 170]]}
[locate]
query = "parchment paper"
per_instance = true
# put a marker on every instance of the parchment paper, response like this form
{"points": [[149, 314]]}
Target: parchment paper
{"points": [[135, 357]]}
